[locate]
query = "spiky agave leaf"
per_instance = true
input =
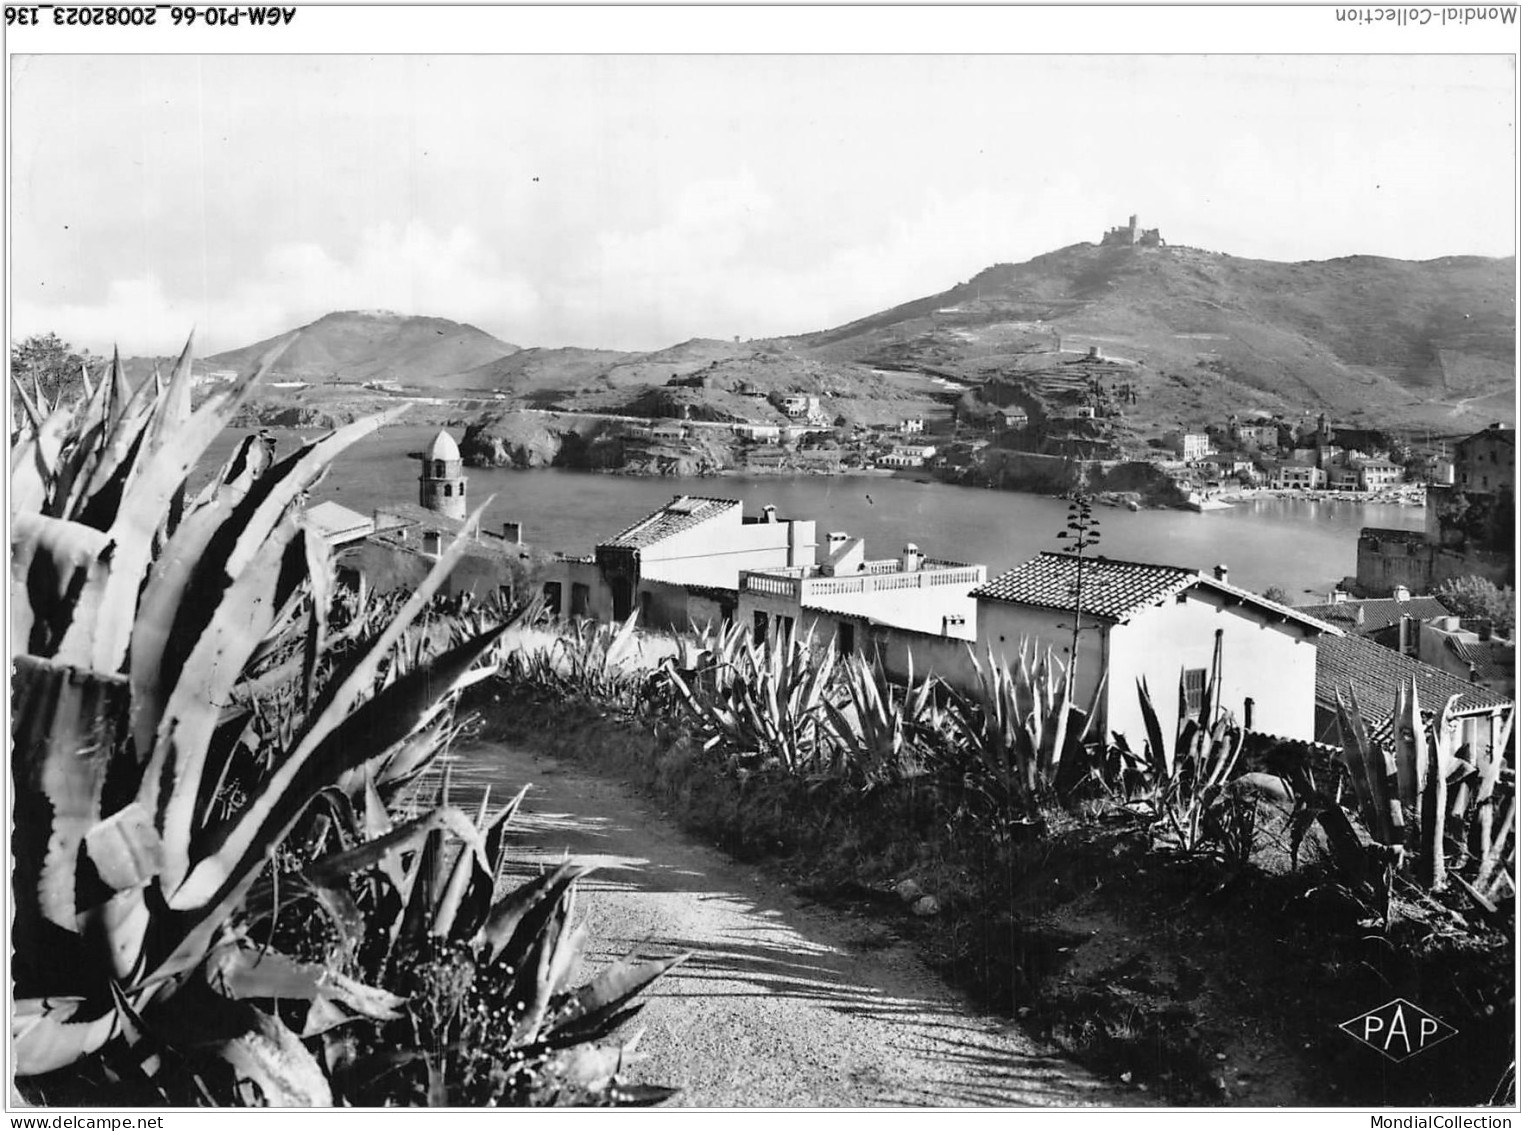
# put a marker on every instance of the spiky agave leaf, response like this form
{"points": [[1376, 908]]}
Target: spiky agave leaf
{"points": [[330, 742], [101, 626], [52, 1033]]}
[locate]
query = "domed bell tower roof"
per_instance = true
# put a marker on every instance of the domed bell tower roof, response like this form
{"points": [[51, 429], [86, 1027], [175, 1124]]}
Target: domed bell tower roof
{"points": [[443, 447]]}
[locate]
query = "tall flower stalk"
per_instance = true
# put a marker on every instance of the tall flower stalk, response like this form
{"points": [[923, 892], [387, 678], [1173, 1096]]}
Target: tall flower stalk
{"points": [[1081, 535]]}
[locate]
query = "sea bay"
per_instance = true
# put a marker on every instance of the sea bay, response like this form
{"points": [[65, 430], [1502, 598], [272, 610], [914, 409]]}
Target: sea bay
{"points": [[1302, 546]]}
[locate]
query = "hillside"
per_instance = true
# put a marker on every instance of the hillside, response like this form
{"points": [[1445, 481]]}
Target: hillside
{"points": [[532, 374], [1358, 338], [355, 346], [1194, 335]]}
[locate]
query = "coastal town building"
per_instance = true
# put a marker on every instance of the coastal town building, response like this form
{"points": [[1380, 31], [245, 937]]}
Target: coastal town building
{"points": [[1376, 616], [760, 433], [1227, 464], [1376, 474], [1469, 528], [848, 601], [1166, 625], [1255, 435], [680, 564], [1343, 478], [1485, 463], [907, 455], [1474, 655], [1297, 477], [797, 405], [1189, 446], [1376, 675]]}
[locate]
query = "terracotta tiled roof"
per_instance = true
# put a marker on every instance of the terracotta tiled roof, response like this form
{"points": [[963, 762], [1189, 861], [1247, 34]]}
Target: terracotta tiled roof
{"points": [[1375, 673], [681, 513], [1114, 590], [1378, 612], [1490, 659]]}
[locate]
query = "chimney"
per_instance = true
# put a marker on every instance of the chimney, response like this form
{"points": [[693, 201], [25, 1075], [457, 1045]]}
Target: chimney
{"points": [[1222, 573], [431, 540], [512, 532], [912, 558], [1093, 351], [837, 538], [1486, 630], [768, 514], [950, 621], [1401, 593]]}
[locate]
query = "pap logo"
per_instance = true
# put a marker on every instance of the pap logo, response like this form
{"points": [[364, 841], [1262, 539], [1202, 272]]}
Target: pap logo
{"points": [[1399, 1029]]}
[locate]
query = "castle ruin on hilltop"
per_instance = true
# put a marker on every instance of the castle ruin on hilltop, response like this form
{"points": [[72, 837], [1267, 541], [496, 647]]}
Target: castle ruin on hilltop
{"points": [[1132, 235]]}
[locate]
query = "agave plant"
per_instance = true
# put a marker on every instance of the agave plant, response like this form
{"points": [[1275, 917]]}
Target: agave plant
{"points": [[1438, 810], [1180, 782], [768, 706], [486, 1013], [135, 619], [882, 732], [585, 658], [1018, 733], [597, 660]]}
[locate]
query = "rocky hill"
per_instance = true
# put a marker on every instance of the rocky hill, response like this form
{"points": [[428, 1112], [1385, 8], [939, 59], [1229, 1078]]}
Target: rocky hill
{"points": [[1358, 338], [1192, 335], [355, 346]]}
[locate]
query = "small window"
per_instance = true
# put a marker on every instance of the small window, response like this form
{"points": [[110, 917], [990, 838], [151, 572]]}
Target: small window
{"points": [[1193, 690], [762, 622], [448, 490], [552, 598], [438, 469], [580, 599], [784, 627]]}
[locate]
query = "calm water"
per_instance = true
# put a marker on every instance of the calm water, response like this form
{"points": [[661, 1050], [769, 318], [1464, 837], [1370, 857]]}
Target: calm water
{"points": [[1304, 547]]}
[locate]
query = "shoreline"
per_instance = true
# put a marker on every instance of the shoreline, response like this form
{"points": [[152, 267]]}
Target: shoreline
{"points": [[1405, 497]]}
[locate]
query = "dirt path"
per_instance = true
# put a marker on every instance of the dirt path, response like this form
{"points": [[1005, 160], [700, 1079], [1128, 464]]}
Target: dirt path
{"points": [[781, 1004]]}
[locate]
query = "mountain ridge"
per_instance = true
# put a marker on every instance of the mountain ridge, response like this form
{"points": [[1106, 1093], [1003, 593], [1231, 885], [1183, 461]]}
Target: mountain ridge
{"points": [[1360, 337]]}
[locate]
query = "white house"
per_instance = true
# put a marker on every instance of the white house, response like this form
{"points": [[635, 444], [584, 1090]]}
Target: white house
{"points": [[1162, 624], [850, 600], [681, 563], [907, 455]]}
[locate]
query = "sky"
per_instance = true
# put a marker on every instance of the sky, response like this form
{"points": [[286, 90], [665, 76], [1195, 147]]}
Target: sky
{"points": [[632, 202]]}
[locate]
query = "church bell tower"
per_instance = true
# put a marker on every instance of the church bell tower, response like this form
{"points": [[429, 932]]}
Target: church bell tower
{"points": [[441, 486]]}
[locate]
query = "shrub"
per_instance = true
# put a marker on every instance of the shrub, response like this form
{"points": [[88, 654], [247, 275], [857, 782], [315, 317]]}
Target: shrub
{"points": [[1481, 599]]}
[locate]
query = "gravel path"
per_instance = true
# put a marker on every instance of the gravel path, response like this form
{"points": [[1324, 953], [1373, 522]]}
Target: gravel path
{"points": [[781, 1004]]}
